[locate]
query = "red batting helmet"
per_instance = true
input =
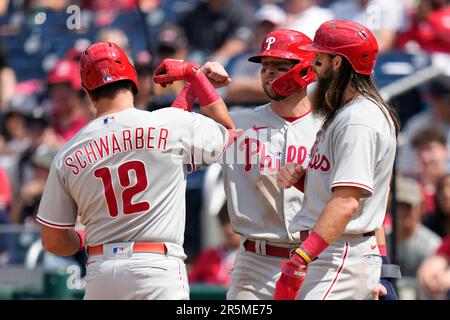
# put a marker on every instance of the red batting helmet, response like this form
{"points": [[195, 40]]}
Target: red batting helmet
{"points": [[103, 63], [284, 44], [349, 39], [65, 71]]}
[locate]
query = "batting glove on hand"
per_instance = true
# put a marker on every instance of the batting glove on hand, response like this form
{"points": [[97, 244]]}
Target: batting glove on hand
{"points": [[290, 282], [171, 70], [388, 272]]}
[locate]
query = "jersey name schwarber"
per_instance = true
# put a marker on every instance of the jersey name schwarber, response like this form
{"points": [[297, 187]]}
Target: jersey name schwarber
{"points": [[124, 141]]}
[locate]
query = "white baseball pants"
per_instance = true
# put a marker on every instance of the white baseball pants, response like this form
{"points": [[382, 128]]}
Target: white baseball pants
{"points": [[124, 275], [348, 269]]}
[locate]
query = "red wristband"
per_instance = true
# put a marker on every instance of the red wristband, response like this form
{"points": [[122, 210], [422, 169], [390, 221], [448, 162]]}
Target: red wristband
{"points": [[204, 90], [382, 250], [80, 234], [185, 100], [314, 245]]}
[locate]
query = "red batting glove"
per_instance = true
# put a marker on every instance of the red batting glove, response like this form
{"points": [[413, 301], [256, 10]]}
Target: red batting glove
{"points": [[293, 272], [290, 282], [204, 90], [185, 99], [171, 70]]}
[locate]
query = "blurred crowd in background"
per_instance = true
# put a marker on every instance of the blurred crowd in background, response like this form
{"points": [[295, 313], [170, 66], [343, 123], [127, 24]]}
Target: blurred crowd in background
{"points": [[42, 104]]}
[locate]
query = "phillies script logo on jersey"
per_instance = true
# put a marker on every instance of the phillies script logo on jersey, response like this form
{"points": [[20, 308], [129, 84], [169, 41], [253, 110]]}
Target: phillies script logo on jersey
{"points": [[318, 161], [256, 153]]}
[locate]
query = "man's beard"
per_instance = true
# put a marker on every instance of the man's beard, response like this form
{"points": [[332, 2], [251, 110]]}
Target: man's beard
{"points": [[273, 95], [318, 99]]}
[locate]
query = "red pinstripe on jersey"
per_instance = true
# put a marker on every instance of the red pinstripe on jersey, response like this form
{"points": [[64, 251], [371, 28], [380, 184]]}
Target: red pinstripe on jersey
{"points": [[55, 225], [348, 183]]}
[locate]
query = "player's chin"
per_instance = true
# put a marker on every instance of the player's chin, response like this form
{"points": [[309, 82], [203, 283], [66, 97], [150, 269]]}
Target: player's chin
{"points": [[271, 94]]}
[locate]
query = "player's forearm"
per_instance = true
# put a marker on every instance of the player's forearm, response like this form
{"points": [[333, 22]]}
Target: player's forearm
{"points": [[218, 112], [380, 236], [334, 219], [62, 242], [338, 213], [211, 104], [331, 224], [381, 240]]}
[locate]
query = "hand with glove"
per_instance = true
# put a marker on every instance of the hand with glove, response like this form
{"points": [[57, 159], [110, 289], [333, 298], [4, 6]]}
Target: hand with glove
{"points": [[197, 84], [290, 281], [388, 272], [384, 289], [293, 272], [171, 70]]}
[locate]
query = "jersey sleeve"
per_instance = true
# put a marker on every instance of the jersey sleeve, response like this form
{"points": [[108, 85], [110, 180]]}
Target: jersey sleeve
{"points": [[354, 152], [208, 140], [57, 209]]}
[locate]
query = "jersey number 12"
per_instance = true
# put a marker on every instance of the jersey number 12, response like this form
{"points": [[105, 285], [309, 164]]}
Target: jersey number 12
{"points": [[105, 175]]}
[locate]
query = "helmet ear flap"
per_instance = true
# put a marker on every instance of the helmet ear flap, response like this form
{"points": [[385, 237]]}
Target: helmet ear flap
{"points": [[286, 85], [294, 80]]}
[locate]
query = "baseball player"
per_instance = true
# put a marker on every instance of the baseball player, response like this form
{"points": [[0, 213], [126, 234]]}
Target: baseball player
{"points": [[348, 174], [281, 131], [124, 174]]}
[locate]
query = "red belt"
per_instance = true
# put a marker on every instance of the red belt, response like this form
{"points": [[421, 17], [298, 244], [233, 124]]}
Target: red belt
{"points": [[150, 247], [275, 251], [281, 252], [368, 234]]}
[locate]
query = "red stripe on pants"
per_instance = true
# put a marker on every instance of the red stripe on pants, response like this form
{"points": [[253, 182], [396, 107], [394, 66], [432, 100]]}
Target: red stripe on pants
{"points": [[339, 271]]}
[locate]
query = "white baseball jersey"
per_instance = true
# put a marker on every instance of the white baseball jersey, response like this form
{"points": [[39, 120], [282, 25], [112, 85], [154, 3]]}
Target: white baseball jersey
{"points": [[258, 208], [357, 149], [124, 174]]}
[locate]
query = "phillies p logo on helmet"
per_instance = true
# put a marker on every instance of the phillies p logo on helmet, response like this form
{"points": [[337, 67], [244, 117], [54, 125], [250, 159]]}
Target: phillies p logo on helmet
{"points": [[269, 42], [283, 44]]}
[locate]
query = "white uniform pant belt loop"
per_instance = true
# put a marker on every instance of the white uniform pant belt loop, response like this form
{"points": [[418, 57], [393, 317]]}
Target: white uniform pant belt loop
{"points": [[260, 247]]}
